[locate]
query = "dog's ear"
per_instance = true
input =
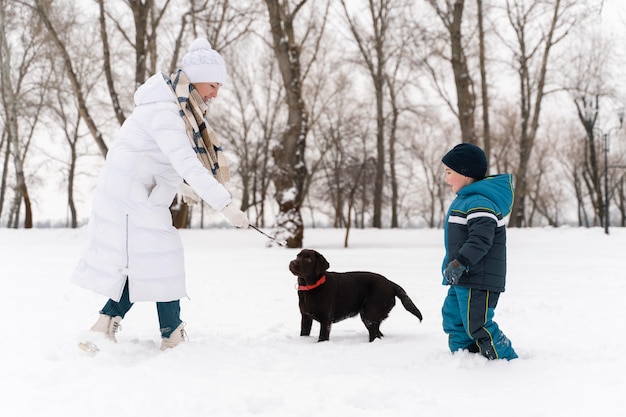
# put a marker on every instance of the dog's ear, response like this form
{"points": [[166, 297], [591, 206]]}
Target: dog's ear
{"points": [[321, 264]]}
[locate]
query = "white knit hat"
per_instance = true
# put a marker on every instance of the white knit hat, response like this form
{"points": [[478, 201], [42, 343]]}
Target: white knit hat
{"points": [[202, 64]]}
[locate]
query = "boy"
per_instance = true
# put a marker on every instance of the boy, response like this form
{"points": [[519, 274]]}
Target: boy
{"points": [[475, 263]]}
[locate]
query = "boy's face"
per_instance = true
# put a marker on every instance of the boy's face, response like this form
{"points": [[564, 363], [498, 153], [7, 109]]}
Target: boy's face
{"points": [[455, 180]]}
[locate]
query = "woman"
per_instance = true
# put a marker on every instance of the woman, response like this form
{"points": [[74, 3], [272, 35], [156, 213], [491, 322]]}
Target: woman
{"points": [[133, 252]]}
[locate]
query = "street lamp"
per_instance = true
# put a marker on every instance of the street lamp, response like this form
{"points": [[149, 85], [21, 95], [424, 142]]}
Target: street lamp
{"points": [[606, 137]]}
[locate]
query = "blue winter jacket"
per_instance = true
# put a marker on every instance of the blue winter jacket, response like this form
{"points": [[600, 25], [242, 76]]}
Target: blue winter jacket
{"points": [[475, 232]]}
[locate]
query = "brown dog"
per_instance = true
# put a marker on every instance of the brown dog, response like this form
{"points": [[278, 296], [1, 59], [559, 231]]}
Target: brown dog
{"points": [[329, 297]]}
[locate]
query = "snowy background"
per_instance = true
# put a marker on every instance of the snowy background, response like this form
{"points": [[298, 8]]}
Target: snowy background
{"points": [[564, 311]]}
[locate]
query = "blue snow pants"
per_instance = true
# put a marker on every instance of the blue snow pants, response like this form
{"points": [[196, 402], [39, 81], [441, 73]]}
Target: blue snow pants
{"points": [[468, 321], [169, 312]]}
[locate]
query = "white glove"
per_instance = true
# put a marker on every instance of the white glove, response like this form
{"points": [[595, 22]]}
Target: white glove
{"points": [[188, 195], [235, 216]]}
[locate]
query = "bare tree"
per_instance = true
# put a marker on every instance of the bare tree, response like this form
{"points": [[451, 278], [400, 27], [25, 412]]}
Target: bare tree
{"points": [[148, 16], [587, 78], [18, 104], [399, 105], [546, 196], [341, 150], [589, 168], [45, 12], [289, 155], [70, 127], [248, 122], [64, 114], [372, 47], [532, 59], [620, 197]]}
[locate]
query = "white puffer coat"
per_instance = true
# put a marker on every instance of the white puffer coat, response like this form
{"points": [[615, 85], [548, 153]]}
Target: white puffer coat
{"points": [[130, 232]]}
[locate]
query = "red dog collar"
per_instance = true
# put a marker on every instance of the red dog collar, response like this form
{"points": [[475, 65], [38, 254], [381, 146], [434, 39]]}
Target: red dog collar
{"points": [[310, 287]]}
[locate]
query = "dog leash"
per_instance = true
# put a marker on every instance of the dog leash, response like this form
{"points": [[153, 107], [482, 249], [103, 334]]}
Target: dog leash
{"points": [[272, 238]]}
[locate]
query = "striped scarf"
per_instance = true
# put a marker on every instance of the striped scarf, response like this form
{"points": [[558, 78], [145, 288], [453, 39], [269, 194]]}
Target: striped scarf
{"points": [[201, 135]]}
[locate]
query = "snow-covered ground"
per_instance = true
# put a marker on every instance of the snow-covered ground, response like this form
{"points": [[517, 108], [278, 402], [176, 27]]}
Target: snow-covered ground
{"points": [[564, 310]]}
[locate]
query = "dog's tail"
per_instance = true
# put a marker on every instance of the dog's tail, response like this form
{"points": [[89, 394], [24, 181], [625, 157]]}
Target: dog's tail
{"points": [[407, 302]]}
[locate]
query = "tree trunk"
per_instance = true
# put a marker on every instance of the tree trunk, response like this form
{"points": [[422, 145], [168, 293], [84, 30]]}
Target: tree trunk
{"points": [[452, 18], [531, 94], [483, 82], [106, 55], [290, 168], [465, 95]]}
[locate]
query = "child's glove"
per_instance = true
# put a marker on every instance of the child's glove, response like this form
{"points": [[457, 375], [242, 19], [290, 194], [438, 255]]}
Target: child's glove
{"points": [[235, 216], [453, 272]]}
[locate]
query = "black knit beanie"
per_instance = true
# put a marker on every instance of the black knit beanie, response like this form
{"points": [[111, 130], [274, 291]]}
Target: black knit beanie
{"points": [[468, 160]]}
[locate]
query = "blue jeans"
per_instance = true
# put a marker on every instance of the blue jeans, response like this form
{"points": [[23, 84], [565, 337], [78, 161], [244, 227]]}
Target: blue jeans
{"points": [[169, 312], [468, 321]]}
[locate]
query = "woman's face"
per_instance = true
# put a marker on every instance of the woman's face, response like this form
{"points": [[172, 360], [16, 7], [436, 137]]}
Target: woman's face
{"points": [[208, 91], [455, 180]]}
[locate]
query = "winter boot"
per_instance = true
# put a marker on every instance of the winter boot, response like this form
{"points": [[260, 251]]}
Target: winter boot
{"points": [[177, 336], [108, 325], [472, 348]]}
